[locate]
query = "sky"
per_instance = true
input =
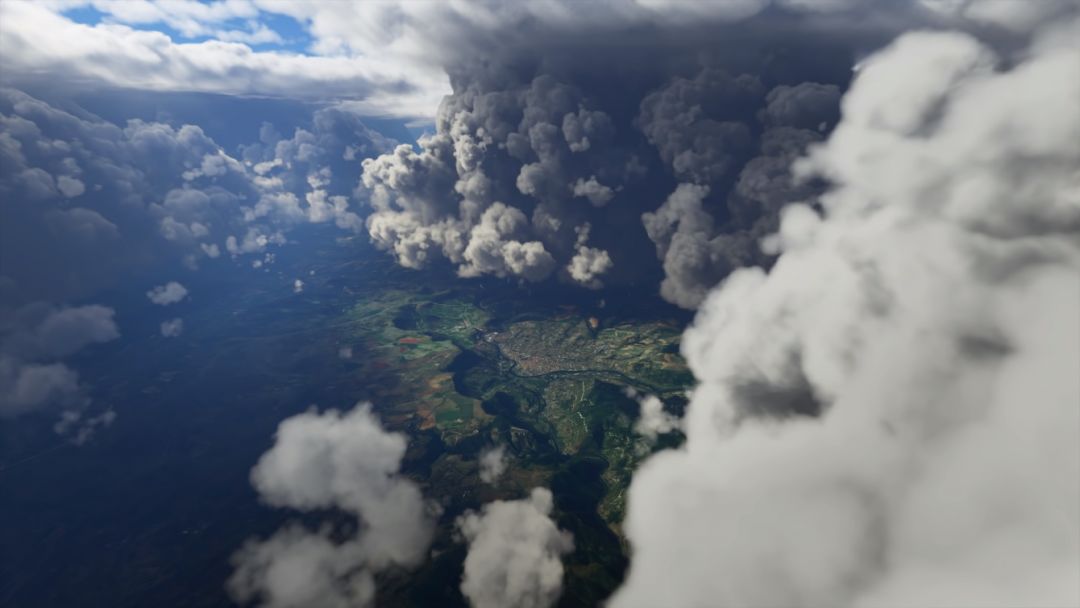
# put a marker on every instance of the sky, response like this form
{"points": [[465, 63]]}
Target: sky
{"points": [[872, 208]]}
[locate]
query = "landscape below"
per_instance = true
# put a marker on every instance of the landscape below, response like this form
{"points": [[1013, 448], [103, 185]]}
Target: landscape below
{"points": [[458, 366]]}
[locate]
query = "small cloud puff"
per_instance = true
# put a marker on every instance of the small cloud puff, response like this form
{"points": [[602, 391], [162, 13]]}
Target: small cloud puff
{"points": [[172, 328], [169, 293]]}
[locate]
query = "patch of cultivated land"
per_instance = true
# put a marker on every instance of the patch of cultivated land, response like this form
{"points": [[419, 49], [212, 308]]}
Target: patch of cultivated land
{"points": [[568, 343], [548, 385]]}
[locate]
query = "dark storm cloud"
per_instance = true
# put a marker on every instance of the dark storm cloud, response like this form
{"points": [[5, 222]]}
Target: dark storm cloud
{"points": [[586, 119], [575, 139]]}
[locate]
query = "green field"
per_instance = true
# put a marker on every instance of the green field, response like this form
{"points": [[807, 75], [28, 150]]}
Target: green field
{"points": [[465, 368], [547, 384]]}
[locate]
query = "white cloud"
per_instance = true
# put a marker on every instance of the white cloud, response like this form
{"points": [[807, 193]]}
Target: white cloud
{"points": [[172, 328], [70, 187], [169, 293], [35, 39], [296, 568], [255, 240], [930, 316], [342, 461], [189, 17], [514, 553], [492, 464], [135, 206], [26, 387], [298, 286], [494, 247], [32, 340], [588, 263], [79, 428], [259, 34], [41, 331], [653, 420], [597, 193]]}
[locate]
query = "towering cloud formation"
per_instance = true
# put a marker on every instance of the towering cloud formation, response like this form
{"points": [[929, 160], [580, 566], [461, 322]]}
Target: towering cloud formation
{"points": [[575, 125], [552, 158], [927, 313], [441, 201], [332, 461], [514, 554]]}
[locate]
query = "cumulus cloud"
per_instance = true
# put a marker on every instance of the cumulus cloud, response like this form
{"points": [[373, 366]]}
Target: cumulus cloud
{"points": [[311, 176], [69, 186], [493, 464], [95, 201], [80, 428], [172, 328], [588, 263], [808, 105], [25, 387], [332, 460], [515, 549], [702, 128], [298, 286], [695, 257], [597, 193], [494, 247], [135, 207], [33, 341], [653, 421], [889, 415], [297, 567], [169, 293], [698, 124]]}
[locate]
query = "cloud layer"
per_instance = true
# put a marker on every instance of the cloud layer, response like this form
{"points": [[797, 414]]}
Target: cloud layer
{"points": [[94, 201], [37, 40], [87, 203]]}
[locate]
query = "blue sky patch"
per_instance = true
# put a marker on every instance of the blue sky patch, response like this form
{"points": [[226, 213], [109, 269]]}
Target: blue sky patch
{"points": [[294, 36]]}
